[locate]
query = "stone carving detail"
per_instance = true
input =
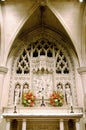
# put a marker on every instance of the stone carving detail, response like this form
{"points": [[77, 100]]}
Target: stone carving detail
{"points": [[17, 93], [42, 54], [23, 64], [25, 88], [42, 62], [42, 85], [66, 90], [41, 67], [68, 93], [60, 87], [62, 66]]}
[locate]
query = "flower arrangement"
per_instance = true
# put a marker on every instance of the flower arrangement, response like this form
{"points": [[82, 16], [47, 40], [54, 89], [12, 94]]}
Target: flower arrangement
{"points": [[28, 99], [56, 99]]}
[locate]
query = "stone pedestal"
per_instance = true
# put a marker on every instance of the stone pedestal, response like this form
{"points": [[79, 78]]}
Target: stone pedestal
{"points": [[3, 71]]}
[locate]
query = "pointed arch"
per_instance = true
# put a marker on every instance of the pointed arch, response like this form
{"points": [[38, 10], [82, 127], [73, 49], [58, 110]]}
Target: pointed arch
{"points": [[33, 9], [58, 16], [27, 16]]}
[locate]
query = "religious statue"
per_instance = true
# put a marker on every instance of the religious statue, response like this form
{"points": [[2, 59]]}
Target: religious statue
{"points": [[25, 88], [17, 94], [68, 94], [59, 87]]}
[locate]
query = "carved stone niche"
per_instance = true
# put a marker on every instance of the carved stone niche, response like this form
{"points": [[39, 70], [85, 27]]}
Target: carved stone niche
{"points": [[42, 63]]}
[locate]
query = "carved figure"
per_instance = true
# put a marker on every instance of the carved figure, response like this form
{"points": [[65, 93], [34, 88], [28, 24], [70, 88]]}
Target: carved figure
{"points": [[25, 88], [59, 87], [17, 94], [68, 93]]}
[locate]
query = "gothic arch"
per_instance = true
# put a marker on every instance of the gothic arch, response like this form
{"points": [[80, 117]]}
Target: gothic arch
{"points": [[24, 39], [46, 43], [65, 27], [27, 17]]}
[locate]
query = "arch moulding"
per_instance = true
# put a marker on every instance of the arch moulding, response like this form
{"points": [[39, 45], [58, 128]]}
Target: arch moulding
{"points": [[58, 16]]}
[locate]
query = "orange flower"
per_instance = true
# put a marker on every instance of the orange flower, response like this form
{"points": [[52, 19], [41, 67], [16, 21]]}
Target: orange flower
{"points": [[31, 104], [56, 99], [28, 99]]}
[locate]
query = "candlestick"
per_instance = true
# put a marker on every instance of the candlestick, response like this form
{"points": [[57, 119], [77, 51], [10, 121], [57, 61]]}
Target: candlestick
{"points": [[71, 103], [15, 109], [71, 110], [42, 104]]}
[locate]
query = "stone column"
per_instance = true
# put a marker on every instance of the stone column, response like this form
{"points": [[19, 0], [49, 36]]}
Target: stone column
{"points": [[24, 124], [3, 71], [82, 72], [77, 123], [2, 30], [61, 124], [7, 124]]}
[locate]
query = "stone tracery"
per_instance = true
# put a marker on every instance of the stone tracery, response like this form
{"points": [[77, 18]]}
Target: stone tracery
{"points": [[42, 61]]}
